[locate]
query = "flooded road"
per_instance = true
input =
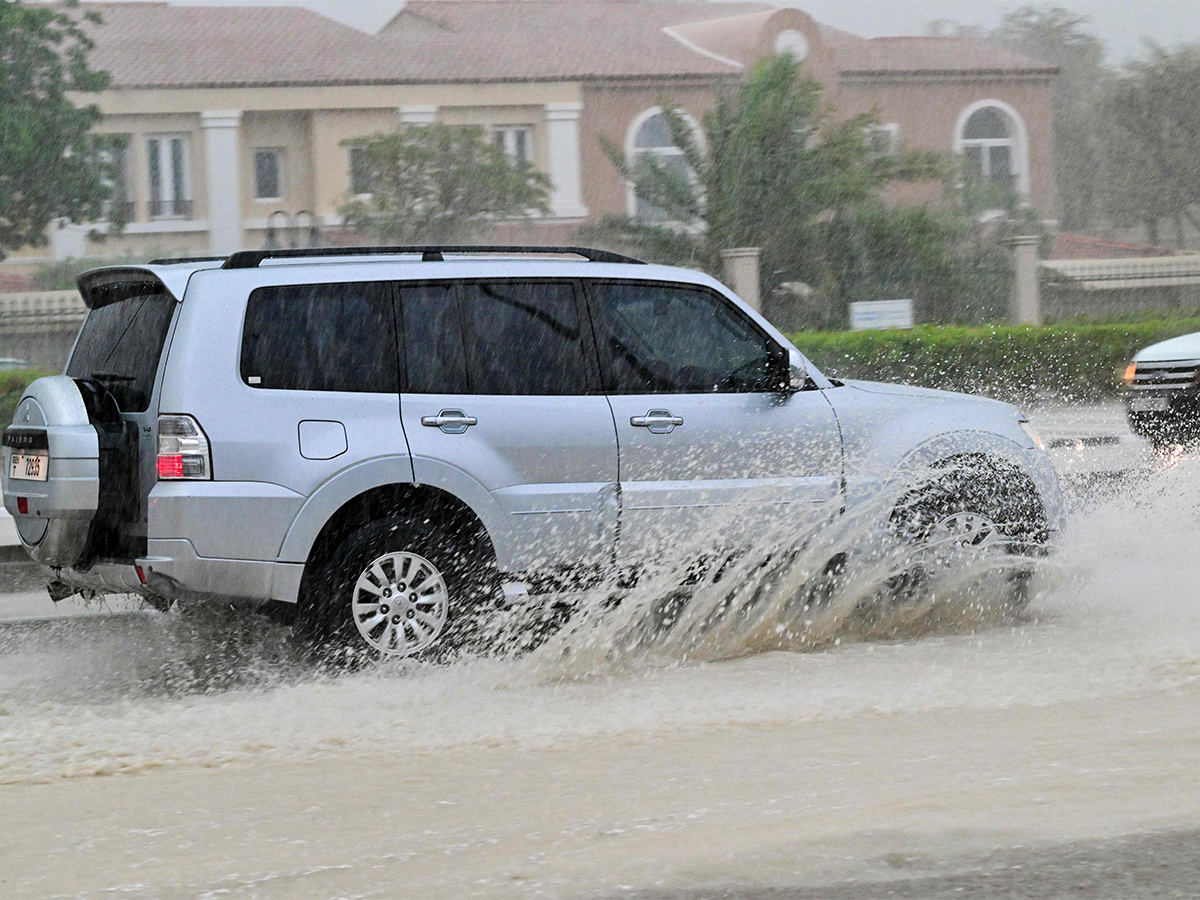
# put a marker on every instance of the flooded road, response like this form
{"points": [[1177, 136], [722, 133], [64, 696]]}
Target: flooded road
{"points": [[162, 756]]}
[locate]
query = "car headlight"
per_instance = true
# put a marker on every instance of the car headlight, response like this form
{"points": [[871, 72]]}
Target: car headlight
{"points": [[1033, 435], [1130, 372]]}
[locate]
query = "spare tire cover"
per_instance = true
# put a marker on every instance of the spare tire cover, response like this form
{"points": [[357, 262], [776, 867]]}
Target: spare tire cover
{"points": [[55, 528]]}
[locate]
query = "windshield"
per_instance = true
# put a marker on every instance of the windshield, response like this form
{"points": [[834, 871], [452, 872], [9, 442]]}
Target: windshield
{"points": [[120, 346]]}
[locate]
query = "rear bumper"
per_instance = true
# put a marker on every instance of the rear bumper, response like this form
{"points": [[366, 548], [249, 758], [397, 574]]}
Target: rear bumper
{"points": [[175, 571], [104, 578]]}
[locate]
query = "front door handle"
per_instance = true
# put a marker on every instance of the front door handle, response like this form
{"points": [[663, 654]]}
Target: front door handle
{"points": [[659, 421], [451, 421]]}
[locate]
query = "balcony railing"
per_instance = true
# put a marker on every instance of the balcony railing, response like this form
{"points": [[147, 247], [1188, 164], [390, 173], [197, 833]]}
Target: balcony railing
{"points": [[170, 209]]}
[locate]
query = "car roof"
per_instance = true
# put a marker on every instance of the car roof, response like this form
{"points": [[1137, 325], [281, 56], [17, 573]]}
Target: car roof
{"points": [[409, 266]]}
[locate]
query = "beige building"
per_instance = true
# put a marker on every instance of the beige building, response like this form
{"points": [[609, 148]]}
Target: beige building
{"points": [[233, 118]]}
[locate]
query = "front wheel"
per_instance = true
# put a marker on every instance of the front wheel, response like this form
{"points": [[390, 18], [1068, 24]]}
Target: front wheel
{"points": [[399, 587], [967, 517]]}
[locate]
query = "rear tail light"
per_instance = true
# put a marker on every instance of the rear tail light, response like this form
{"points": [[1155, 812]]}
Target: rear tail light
{"points": [[183, 453]]}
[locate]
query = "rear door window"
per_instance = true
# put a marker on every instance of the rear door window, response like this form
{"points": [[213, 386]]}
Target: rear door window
{"points": [[121, 343], [435, 358], [524, 338], [321, 337]]}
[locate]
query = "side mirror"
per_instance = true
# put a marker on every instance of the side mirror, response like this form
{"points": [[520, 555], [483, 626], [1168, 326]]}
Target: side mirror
{"points": [[797, 377]]}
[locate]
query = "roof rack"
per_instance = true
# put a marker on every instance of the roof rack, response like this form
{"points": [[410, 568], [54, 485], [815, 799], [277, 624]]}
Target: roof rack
{"points": [[251, 259], [179, 260]]}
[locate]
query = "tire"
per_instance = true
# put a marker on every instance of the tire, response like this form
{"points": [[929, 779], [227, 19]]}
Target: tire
{"points": [[403, 586], [969, 512]]}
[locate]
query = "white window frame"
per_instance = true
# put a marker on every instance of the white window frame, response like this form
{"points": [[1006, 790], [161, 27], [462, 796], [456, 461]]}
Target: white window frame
{"points": [[1017, 140], [167, 173], [280, 154], [890, 132], [506, 137], [632, 152]]}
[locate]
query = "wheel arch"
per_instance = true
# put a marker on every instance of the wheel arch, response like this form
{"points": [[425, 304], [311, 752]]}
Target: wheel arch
{"points": [[1005, 474], [380, 502], [374, 487]]}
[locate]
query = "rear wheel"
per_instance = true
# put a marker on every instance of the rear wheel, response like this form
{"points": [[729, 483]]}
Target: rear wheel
{"points": [[402, 586]]}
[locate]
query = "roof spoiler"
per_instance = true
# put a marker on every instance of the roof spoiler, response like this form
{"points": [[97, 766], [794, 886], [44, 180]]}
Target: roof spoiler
{"points": [[112, 284]]}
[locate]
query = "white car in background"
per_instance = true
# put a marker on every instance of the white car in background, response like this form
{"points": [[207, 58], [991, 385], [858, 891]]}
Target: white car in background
{"points": [[1162, 395]]}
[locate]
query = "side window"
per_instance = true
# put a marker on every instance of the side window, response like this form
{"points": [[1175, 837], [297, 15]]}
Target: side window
{"points": [[433, 343], [670, 339], [322, 337], [523, 338]]}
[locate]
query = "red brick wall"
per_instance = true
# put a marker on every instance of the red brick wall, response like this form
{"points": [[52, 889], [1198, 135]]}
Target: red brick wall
{"points": [[928, 111]]}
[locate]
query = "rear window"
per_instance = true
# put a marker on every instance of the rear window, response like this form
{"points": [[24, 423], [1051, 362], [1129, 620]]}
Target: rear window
{"points": [[321, 337], [120, 345]]}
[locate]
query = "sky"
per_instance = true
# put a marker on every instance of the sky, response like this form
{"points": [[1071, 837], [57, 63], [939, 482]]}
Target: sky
{"points": [[1122, 24]]}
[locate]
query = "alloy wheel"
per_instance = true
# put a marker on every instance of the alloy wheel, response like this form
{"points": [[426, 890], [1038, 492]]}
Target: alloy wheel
{"points": [[400, 603]]}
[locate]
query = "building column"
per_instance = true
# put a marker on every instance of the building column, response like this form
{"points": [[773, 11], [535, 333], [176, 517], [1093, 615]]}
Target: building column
{"points": [[742, 273], [562, 139], [1024, 303], [418, 115], [223, 171]]}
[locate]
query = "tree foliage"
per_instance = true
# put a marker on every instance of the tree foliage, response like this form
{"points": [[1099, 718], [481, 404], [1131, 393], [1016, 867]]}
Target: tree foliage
{"points": [[1152, 118], [440, 183], [49, 166], [1059, 37]]}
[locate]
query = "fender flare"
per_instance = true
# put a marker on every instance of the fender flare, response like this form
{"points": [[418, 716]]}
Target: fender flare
{"points": [[362, 477], [890, 483], [948, 445], [990, 448]]}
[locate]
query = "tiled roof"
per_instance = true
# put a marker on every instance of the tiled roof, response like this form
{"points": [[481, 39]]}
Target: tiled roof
{"points": [[160, 45], [157, 45], [929, 54]]}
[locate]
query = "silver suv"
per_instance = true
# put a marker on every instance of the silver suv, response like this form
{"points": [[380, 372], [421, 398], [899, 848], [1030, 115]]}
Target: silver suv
{"points": [[384, 439]]}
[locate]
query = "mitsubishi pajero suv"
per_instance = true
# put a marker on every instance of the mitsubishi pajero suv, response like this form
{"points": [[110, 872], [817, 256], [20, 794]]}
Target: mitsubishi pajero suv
{"points": [[384, 438]]}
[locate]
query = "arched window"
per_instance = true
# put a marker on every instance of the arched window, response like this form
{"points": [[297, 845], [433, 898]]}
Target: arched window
{"points": [[649, 137], [988, 147], [991, 138]]}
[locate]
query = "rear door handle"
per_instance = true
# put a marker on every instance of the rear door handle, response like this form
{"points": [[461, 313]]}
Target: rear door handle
{"points": [[659, 421], [451, 421]]}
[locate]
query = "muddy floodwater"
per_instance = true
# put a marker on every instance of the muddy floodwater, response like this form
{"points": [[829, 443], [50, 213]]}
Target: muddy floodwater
{"points": [[1051, 753]]}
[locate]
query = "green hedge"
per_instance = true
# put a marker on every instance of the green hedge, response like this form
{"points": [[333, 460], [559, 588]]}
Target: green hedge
{"points": [[12, 385], [1021, 364]]}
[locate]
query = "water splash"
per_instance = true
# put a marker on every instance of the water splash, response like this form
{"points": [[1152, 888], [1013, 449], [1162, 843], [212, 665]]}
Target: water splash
{"points": [[1115, 610]]}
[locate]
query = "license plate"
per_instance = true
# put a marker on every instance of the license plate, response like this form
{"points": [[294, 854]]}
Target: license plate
{"points": [[29, 466], [1148, 404]]}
